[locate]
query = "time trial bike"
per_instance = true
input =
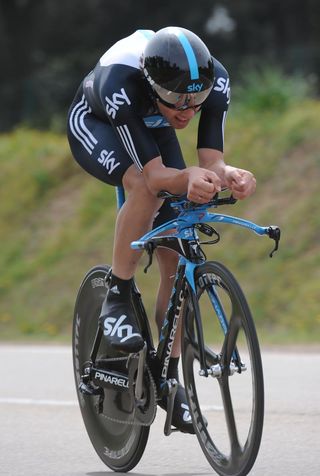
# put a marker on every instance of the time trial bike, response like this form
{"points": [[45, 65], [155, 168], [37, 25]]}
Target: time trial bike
{"points": [[222, 369]]}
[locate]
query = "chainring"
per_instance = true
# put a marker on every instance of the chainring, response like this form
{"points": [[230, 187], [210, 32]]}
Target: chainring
{"points": [[140, 413], [146, 408]]}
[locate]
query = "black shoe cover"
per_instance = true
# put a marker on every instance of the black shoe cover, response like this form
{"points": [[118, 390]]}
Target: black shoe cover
{"points": [[181, 418], [118, 322]]}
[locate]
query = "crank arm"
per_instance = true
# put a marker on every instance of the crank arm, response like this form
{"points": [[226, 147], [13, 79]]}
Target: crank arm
{"points": [[170, 391], [141, 366]]}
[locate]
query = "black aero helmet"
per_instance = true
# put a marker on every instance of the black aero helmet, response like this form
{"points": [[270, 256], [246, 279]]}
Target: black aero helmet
{"points": [[176, 63]]}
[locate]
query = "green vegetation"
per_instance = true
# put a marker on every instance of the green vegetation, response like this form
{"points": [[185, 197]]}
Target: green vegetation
{"points": [[56, 222]]}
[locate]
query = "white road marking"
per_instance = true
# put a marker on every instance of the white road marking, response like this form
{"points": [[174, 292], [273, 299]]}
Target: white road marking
{"points": [[35, 349], [211, 408], [40, 402]]}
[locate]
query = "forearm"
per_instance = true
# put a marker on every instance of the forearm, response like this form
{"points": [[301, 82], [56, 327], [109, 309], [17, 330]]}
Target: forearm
{"points": [[213, 160], [158, 177], [199, 184], [241, 182]]}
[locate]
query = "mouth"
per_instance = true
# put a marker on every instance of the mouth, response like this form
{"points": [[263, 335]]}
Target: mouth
{"points": [[182, 120]]}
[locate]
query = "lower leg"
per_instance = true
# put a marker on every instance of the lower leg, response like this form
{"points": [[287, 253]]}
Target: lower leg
{"points": [[117, 318], [124, 259], [134, 219]]}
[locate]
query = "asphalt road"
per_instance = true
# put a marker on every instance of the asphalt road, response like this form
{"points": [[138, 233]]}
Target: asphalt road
{"points": [[42, 432]]}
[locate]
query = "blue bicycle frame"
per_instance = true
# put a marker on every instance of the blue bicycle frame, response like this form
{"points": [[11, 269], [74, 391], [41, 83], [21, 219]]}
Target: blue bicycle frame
{"points": [[185, 241], [185, 230]]}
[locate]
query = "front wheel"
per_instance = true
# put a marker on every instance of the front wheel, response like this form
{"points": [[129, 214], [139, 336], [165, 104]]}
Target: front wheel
{"points": [[119, 443], [226, 398]]}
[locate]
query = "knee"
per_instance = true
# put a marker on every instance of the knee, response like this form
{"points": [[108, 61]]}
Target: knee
{"points": [[138, 191]]}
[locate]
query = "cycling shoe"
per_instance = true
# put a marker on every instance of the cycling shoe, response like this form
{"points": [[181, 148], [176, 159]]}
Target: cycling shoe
{"points": [[181, 418], [118, 322]]}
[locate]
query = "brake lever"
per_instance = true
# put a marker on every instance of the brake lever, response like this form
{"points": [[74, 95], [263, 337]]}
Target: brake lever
{"points": [[149, 247], [274, 233]]}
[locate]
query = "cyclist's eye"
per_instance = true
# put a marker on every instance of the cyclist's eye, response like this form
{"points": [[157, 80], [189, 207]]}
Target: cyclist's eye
{"points": [[186, 107]]}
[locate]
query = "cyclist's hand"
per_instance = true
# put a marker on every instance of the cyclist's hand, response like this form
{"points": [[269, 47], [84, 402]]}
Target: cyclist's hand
{"points": [[241, 182], [203, 184]]}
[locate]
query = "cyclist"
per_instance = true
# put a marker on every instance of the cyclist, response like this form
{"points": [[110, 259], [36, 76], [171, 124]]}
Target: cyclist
{"points": [[121, 130]]}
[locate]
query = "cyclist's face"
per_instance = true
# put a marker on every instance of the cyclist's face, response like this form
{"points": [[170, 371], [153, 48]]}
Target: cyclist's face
{"points": [[177, 119]]}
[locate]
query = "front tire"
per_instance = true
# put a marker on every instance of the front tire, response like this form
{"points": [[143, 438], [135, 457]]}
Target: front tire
{"points": [[119, 445], [227, 407]]}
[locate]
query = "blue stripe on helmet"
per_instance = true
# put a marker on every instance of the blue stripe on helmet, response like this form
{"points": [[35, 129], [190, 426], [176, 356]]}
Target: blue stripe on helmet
{"points": [[147, 33], [193, 65]]}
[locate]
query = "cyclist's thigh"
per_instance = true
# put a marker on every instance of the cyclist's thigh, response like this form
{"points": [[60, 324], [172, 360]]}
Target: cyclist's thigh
{"points": [[95, 145], [172, 157]]}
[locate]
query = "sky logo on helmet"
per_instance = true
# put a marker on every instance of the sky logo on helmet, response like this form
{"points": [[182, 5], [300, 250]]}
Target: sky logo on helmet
{"points": [[147, 75], [195, 88]]}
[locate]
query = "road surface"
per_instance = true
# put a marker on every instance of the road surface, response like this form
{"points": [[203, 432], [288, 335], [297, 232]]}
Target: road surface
{"points": [[42, 433]]}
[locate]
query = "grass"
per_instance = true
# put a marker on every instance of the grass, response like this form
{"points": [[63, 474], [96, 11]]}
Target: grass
{"points": [[56, 222]]}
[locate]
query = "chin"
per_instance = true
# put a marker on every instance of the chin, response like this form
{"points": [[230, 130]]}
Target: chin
{"points": [[179, 125]]}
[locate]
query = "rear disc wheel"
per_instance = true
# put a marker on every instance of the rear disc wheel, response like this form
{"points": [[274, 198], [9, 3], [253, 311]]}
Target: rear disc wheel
{"points": [[119, 445]]}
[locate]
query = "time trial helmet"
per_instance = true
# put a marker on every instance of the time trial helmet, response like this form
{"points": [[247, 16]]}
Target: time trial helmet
{"points": [[179, 67]]}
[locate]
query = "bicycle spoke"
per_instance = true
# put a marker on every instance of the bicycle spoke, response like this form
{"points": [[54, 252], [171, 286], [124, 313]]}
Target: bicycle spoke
{"points": [[229, 350], [229, 344], [229, 415]]}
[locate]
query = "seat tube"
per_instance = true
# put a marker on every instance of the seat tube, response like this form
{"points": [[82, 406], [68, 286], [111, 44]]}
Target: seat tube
{"points": [[120, 194]]}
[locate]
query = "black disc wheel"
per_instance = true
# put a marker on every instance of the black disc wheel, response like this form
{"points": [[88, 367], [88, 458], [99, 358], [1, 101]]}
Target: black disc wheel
{"points": [[225, 394], [108, 420]]}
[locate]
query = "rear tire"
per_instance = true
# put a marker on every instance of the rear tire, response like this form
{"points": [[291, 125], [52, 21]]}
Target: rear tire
{"points": [[227, 408], [119, 445]]}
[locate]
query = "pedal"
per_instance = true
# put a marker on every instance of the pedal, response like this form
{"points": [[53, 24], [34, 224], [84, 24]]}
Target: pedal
{"points": [[169, 390], [88, 389]]}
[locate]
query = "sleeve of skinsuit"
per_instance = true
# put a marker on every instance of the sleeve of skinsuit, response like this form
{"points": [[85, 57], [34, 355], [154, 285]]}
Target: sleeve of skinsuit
{"points": [[214, 111], [122, 97]]}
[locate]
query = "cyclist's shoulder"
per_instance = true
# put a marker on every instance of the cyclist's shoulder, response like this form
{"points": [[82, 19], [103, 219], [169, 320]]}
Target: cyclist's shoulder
{"points": [[115, 77], [221, 76], [125, 54], [219, 68], [219, 97], [119, 68]]}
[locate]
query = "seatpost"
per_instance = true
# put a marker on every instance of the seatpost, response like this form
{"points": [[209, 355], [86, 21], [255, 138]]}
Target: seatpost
{"points": [[121, 198]]}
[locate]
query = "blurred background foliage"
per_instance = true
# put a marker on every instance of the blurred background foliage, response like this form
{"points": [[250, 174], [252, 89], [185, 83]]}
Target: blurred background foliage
{"points": [[47, 46], [56, 221]]}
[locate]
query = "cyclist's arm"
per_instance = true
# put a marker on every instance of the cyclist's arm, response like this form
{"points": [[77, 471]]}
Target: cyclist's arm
{"points": [[211, 139], [212, 159], [199, 184], [241, 182]]}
